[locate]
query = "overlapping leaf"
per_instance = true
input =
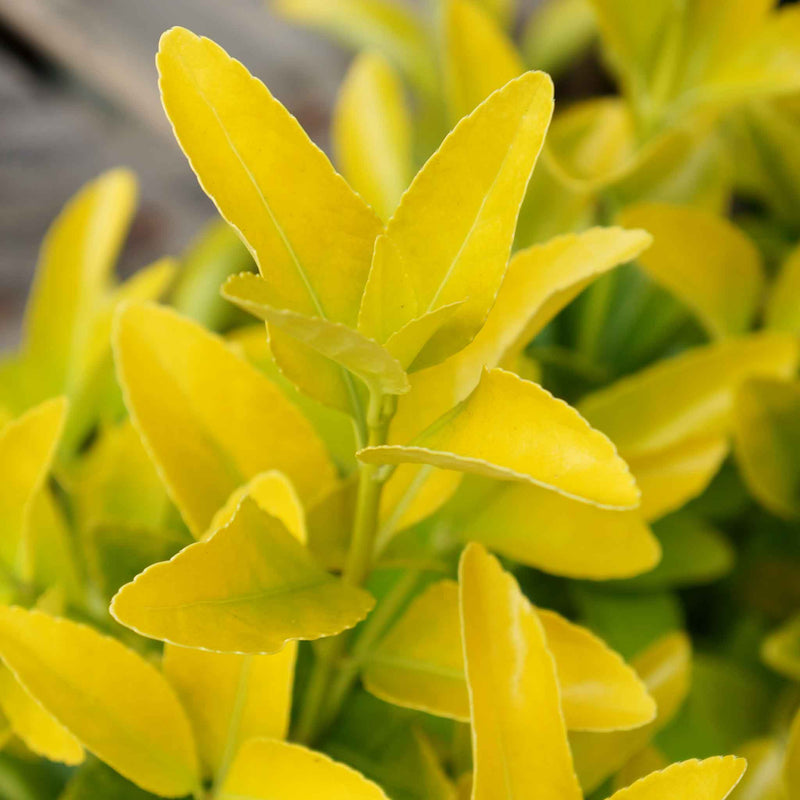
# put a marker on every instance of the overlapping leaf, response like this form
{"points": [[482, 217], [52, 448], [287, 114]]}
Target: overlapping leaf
{"points": [[553, 533], [450, 238], [519, 737], [251, 588], [538, 439], [274, 186], [420, 664], [364, 357], [112, 700], [266, 769], [539, 282], [711, 779], [181, 387]]}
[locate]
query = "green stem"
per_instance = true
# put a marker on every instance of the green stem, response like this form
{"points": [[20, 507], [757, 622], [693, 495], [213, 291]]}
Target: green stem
{"points": [[329, 653]]}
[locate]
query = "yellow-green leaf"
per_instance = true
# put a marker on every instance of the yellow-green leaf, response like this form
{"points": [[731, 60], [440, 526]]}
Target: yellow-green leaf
{"points": [[539, 282], [670, 477], [420, 664], [554, 533], [231, 698], [194, 401], [27, 447], [478, 56], [116, 704], [665, 669], [712, 779], [43, 734], [72, 278], [556, 33], [537, 439], [687, 395], [519, 737], [767, 443], [791, 768], [266, 769], [372, 133], [250, 588], [436, 251], [364, 357], [381, 25], [783, 305], [310, 234], [705, 261], [781, 649]]}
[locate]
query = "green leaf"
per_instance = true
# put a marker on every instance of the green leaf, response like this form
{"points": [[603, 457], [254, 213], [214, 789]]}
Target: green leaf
{"points": [[364, 357], [250, 588], [436, 252], [767, 443], [538, 439], [112, 700]]}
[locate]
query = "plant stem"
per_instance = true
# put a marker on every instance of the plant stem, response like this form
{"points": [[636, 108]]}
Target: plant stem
{"points": [[329, 653]]}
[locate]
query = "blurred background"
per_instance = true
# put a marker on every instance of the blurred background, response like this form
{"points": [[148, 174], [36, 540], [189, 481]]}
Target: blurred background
{"points": [[78, 94]]}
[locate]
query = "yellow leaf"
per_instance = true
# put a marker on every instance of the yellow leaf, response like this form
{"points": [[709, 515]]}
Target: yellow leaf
{"points": [[194, 401], [687, 395], [478, 56], [231, 698], [537, 439], [539, 282], [519, 737], [553, 533], [435, 251], [665, 669], [791, 769], [44, 735], [648, 760], [27, 447], [266, 769], [767, 443], [712, 779], [72, 278], [250, 588], [783, 305], [670, 477], [372, 133], [380, 371], [383, 25], [115, 703], [274, 493], [420, 664], [705, 261], [310, 234]]}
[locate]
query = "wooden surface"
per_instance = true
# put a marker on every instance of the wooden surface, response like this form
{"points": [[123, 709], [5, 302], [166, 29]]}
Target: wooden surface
{"points": [[78, 95]]}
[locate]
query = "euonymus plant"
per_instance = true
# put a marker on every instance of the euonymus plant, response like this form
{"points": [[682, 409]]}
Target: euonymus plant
{"points": [[243, 562]]}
